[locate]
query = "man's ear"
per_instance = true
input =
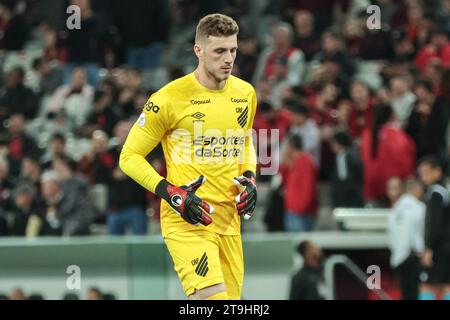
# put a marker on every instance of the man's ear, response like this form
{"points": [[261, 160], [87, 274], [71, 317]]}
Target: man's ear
{"points": [[198, 51]]}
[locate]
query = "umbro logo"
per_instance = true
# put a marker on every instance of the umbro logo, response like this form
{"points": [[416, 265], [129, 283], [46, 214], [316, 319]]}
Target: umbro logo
{"points": [[202, 266], [198, 115], [243, 117]]}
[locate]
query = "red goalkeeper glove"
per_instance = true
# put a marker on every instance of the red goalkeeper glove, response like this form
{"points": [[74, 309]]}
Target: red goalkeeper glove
{"points": [[185, 202], [246, 200]]}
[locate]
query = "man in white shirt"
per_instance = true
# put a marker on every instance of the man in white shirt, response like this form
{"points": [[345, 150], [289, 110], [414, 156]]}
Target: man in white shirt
{"points": [[406, 238], [403, 98]]}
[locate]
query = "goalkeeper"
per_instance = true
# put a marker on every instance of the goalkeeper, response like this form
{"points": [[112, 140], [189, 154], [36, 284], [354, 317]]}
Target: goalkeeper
{"points": [[204, 122]]}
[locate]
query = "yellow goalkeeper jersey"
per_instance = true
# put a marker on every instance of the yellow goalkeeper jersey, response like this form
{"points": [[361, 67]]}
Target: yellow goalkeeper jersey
{"points": [[203, 132]]}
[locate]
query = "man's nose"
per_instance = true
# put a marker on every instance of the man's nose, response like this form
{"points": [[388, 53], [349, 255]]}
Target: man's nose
{"points": [[229, 57]]}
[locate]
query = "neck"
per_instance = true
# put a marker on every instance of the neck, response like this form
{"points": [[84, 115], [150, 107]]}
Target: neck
{"points": [[207, 80]]}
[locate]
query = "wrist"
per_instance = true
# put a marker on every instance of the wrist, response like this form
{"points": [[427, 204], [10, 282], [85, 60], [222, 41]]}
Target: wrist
{"points": [[250, 175], [161, 189]]}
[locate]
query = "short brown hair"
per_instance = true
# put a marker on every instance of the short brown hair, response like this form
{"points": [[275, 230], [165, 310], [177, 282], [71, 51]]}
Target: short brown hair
{"points": [[216, 25]]}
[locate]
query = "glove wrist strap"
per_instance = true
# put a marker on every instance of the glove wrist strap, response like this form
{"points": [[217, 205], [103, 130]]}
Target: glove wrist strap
{"points": [[161, 190]]}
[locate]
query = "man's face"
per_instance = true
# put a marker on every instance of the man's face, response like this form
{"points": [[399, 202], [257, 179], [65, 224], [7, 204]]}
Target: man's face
{"points": [[359, 92], [298, 119], [313, 256], [24, 200], [428, 174], [421, 93], [398, 87], [13, 79], [58, 146], [217, 54], [49, 189], [78, 78], [281, 37], [16, 124], [329, 93]]}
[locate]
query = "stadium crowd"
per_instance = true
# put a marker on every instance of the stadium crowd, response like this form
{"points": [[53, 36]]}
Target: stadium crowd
{"points": [[354, 108]]}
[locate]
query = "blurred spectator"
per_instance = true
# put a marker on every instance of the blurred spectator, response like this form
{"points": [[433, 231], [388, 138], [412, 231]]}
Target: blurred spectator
{"points": [[299, 184], [394, 190], [322, 107], [282, 37], [308, 282], [127, 200], [72, 102], [414, 17], [109, 296], [36, 296], [405, 230], [140, 99], [70, 181], [386, 151], [17, 294], [20, 144], [57, 148], [83, 45], [428, 121], [98, 164], [279, 81], [7, 184], [53, 49], [347, 174], [71, 296], [104, 115], [129, 81], [247, 57], [323, 10], [368, 44], [50, 75], [363, 107], [306, 39], [333, 49], [14, 31], [30, 172], [436, 258], [306, 128], [402, 98], [268, 118], [403, 53], [143, 26], [439, 47], [24, 211], [323, 112], [344, 109], [274, 209], [67, 214], [94, 293], [15, 97]]}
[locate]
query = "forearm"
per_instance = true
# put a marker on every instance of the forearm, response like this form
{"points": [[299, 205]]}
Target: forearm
{"points": [[137, 167], [249, 160]]}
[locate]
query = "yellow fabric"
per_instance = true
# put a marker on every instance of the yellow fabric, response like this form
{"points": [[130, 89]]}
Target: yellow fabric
{"points": [[196, 127], [203, 259]]}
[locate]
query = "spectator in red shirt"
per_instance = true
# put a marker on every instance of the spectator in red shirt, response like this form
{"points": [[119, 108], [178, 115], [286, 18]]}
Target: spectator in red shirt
{"points": [[439, 47], [282, 46], [267, 118], [299, 184], [362, 113], [322, 105], [387, 151]]}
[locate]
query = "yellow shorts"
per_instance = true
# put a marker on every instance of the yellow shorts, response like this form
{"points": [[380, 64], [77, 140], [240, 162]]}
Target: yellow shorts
{"points": [[203, 258]]}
